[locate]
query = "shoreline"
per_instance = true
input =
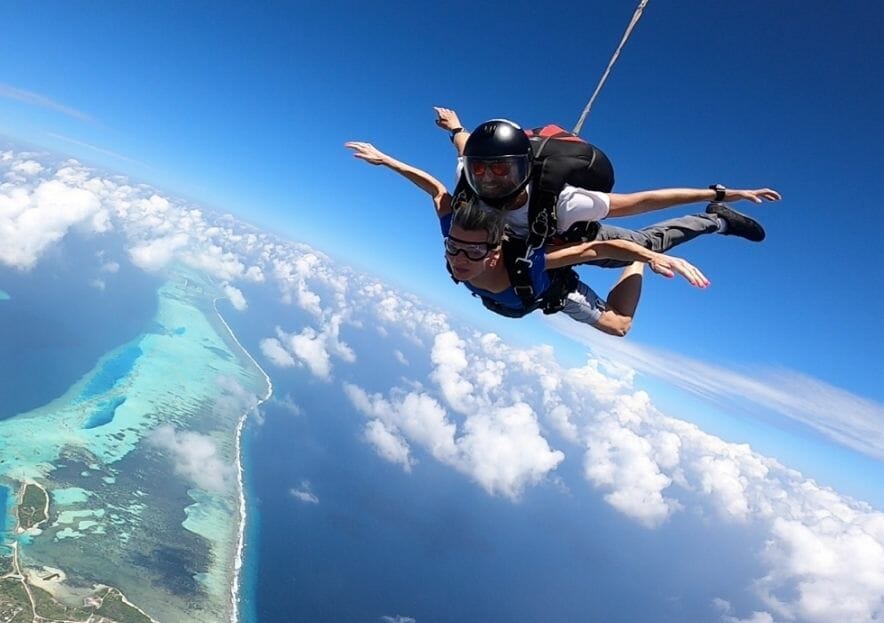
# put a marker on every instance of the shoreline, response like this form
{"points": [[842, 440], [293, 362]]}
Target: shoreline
{"points": [[240, 473]]}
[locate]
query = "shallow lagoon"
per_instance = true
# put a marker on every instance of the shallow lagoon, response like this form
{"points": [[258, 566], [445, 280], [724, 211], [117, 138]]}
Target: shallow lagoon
{"points": [[169, 546], [56, 323]]}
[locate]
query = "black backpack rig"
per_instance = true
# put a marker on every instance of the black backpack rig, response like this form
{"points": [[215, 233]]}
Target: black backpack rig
{"points": [[560, 158]]}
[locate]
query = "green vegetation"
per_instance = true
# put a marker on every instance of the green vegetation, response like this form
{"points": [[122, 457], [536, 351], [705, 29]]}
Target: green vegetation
{"points": [[48, 608], [113, 607], [5, 563], [15, 607], [32, 509]]}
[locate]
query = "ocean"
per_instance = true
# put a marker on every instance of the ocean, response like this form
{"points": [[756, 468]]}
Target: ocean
{"points": [[4, 501], [374, 541], [58, 321], [377, 542]]}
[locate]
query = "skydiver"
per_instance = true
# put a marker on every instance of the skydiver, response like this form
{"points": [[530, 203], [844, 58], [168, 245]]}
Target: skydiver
{"points": [[476, 253], [500, 166]]}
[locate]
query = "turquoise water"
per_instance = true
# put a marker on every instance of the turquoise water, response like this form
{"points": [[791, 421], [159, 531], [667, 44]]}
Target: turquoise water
{"points": [[105, 413], [87, 446], [4, 500], [117, 367], [4, 296], [56, 325]]}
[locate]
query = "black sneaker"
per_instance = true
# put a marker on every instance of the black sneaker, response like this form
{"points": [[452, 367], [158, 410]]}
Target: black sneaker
{"points": [[737, 224]]}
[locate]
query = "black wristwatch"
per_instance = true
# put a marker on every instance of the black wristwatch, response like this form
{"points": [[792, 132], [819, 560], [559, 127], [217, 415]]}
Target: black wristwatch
{"points": [[719, 189], [455, 132]]}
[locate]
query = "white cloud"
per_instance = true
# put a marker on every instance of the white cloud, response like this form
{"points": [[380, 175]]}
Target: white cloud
{"points": [[725, 607], [288, 403], [400, 357], [236, 297], [839, 415], [621, 460], [255, 274], [214, 260], [310, 347], [304, 493], [501, 449], [195, 457], [504, 450], [155, 254], [388, 444], [398, 618], [31, 220], [449, 357], [27, 167], [316, 348], [276, 352]]}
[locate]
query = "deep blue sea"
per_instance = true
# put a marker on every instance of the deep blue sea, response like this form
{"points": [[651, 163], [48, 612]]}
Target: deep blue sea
{"points": [[432, 545], [57, 323]]}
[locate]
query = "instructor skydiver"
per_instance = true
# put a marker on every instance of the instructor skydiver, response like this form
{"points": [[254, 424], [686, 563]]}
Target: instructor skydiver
{"points": [[500, 162]]}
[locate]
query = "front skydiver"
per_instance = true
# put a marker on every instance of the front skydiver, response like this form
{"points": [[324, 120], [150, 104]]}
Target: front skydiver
{"points": [[476, 254]]}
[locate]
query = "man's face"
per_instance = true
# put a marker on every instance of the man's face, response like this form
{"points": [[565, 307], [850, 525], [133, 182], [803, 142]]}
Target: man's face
{"points": [[463, 249], [495, 179]]}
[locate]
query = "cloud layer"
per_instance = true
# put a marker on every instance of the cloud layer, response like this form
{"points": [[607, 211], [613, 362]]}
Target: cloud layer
{"points": [[506, 418]]}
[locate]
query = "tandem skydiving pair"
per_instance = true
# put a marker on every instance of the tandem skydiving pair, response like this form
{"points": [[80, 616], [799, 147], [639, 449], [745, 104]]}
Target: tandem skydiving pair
{"points": [[528, 206]]}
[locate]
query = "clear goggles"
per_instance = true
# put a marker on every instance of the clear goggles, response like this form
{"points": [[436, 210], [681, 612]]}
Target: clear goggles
{"points": [[473, 250]]}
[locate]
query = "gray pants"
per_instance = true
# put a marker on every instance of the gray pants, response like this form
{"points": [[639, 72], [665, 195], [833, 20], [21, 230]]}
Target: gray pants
{"points": [[660, 237]]}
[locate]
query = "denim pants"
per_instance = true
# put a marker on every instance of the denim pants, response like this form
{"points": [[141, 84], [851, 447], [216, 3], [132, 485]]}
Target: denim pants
{"points": [[584, 305], [660, 237]]}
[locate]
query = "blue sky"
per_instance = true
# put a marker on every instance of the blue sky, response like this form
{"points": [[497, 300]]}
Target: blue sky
{"points": [[247, 109]]}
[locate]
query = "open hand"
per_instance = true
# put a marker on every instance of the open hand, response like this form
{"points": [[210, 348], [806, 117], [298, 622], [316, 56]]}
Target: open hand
{"points": [[447, 119], [367, 152], [671, 266], [755, 196]]}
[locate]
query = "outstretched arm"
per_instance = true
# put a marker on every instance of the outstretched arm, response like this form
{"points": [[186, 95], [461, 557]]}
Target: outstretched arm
{"points": [[665, 265], [650, 200], [622, 302], [448, 120], [419, 177]]}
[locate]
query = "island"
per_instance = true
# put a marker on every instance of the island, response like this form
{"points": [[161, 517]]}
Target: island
{"points": [[22, 600], [34, 506], [99, 523]]}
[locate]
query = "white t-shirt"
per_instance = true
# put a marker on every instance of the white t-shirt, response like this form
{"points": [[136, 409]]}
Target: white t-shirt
{"points": [[574, 205]]}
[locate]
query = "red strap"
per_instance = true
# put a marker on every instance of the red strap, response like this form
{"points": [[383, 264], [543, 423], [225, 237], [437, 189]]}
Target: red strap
{"points": [[554, 132]]}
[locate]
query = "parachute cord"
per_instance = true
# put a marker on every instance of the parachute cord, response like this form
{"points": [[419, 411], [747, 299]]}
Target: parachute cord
{"points": [[635, 17]]}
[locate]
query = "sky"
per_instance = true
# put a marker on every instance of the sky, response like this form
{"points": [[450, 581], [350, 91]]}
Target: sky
{"points": [[246, 110], [693, 427]]}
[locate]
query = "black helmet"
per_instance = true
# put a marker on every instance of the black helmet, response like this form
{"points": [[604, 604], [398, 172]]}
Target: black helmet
{"points": [[497, 158]]}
